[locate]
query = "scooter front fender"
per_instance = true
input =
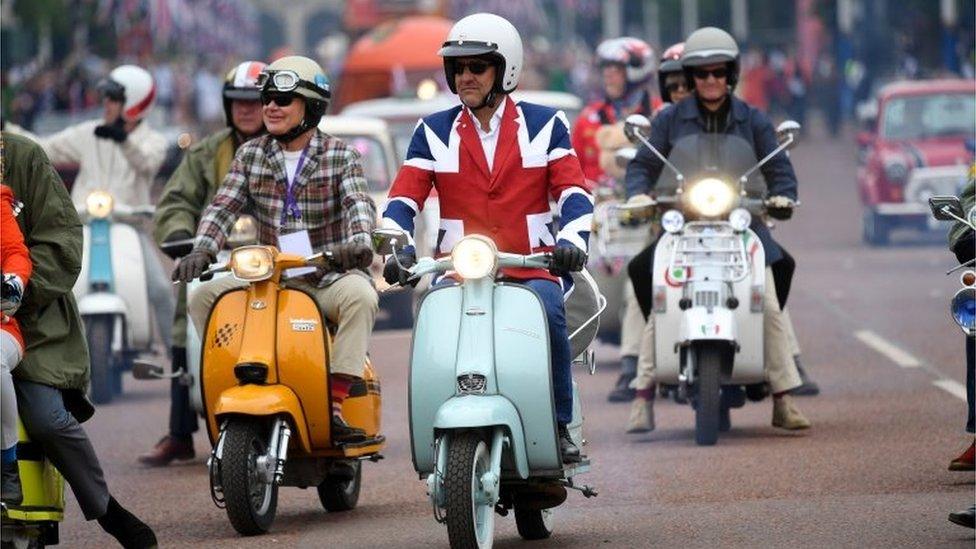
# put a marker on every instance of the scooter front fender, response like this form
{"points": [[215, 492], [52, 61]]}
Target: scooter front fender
{"points": [[475, 411], [102, 303], [261, 400]]}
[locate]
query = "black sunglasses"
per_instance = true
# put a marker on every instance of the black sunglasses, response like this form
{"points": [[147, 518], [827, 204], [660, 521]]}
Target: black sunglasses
{"points": [[280, 99], [675, 86], [702, 74], [476, 67]]}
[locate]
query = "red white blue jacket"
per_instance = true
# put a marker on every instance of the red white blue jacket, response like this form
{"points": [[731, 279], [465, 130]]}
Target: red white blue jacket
{"points": [[534, 162]]}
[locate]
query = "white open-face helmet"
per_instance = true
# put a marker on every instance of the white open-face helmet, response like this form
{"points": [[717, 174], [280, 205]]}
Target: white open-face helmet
{"points": [[634, 54], [489, 35], [134, 87]]}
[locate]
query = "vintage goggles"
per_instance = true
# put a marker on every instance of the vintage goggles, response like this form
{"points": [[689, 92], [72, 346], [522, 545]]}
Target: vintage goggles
{"points": [[284, 81]]}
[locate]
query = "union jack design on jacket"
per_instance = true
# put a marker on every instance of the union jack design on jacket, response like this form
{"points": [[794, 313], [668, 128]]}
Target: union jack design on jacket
{"points": [[534, 162]]}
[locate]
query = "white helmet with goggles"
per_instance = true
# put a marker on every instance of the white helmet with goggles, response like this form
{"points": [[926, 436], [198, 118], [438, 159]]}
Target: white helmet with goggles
{"points": [[301, 76], [133, 87], [634, 54], [488, 35]]}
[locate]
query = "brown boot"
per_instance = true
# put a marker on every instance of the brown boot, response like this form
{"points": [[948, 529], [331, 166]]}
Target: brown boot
{"points": [[787, 416], [641, 415], [168, 448]]}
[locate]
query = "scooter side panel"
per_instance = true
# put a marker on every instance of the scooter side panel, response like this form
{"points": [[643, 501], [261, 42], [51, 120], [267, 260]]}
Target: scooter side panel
{"points": [[433, 379], [468, 411], [667, 326], [130, 282], [522, 370], [303, 353], [221, 347], [749, 366]]}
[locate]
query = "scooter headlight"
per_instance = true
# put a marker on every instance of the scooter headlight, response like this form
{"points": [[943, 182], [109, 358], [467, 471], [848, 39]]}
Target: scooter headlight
{"points": [[963, 309], [245, 232], [99, 204], [474, 257], [711, 197], [672, 221], [252, 263], [740, 219]]}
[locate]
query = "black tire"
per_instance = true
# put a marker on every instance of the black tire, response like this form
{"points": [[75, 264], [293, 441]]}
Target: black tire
{"points": [[251, 505], [708, 369], [725, 419], [341, 494], [877, 229], [467, 454], [98, 330], [533, 524]]}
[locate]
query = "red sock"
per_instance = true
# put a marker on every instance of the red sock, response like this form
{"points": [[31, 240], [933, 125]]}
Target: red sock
{"points": [[340, 390], [779, 394], [646, 394]]}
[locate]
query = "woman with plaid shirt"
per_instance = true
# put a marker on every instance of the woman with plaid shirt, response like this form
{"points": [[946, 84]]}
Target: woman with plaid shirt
{"points": [[300, 183]]}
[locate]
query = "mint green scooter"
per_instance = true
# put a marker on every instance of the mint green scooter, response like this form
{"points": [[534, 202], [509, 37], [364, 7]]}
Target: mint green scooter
{"points": [[482, 418]]}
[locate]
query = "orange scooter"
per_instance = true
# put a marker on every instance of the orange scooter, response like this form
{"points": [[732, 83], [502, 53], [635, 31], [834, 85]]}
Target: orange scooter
{"points": [[264, 379]]}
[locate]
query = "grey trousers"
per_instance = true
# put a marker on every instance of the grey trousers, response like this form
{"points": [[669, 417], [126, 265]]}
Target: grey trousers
{"points": [[65, 443]]}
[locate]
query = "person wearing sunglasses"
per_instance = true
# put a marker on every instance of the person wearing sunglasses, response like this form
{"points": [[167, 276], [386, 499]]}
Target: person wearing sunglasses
{"points": [[496, 164], [307, 193], [671, 78], [711, 64], [188, 191]]}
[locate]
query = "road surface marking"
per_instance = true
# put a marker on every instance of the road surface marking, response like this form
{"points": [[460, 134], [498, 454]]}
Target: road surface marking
{"points": [[895, 354], [952, 387]]}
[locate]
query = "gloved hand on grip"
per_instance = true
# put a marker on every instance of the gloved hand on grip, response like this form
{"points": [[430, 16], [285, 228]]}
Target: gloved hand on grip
{"points": [[192, 266], [392, 272], [114, 131], [352, 255], [566, 259], [780, 207]]}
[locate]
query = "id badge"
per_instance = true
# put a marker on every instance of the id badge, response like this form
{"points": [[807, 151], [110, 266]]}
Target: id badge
{"points": [[296, 243]]}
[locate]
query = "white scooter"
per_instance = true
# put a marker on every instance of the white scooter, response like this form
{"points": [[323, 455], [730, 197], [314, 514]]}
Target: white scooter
{"points": [[709, 271]]}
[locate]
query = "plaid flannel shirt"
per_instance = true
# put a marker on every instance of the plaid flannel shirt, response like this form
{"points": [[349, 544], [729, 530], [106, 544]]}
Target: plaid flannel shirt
{"points": [[330, 191]]}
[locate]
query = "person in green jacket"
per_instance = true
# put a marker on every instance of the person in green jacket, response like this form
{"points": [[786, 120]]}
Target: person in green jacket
{"points": [[52, 379], [188, 191]]}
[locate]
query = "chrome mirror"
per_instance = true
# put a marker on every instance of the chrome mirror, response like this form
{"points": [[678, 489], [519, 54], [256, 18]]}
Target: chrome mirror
{"points": [[634, 125], [788, 133], [386, 241]]}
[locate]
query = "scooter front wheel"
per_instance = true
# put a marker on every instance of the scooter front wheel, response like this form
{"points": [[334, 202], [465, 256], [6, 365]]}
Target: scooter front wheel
{"points": [[708, 408], [98, 329], [251, 501], [470, 512]]}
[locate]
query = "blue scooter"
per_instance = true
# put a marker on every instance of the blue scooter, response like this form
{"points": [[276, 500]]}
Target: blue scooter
{"points": [[482, 415]]}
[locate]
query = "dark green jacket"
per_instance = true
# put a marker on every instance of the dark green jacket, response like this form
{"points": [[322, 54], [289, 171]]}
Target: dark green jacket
{"points": [[56, 353], [961, 240]]}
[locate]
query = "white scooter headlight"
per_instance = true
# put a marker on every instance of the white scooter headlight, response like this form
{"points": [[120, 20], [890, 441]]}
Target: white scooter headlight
{"points": [[474, 257], [672, 221], [252, 263], [711, 197], [740, 219], [99, 204]]}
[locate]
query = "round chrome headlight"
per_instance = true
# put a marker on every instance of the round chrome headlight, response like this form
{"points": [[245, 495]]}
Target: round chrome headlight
{"points": [[740, 219], [99, 204], [711, 197], [474, 257], [672, 221], [963, 308], [252, 263]]}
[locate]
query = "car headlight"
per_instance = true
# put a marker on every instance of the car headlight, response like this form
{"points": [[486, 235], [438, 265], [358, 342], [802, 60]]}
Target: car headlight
{"points": [[474, 257], [245, 232], [740, 219], [99, 204], [896, 172], [252, 263], [672, 221], [711, 197], [963, 308]]}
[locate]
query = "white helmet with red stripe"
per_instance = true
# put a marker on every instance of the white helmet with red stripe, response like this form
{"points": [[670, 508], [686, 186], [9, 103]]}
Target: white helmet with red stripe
{"points": [[634, 54], [241, 83], [134, 87]]}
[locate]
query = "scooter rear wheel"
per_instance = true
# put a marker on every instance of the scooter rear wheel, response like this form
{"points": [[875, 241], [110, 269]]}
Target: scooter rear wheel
{"points": [[251, 502], [470, 516], [533, 523], [341, 493]]}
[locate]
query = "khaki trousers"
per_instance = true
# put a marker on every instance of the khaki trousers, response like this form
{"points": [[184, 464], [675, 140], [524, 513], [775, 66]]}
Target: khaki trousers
{"points": [[350, 302], [631, 324], [778, 347]]}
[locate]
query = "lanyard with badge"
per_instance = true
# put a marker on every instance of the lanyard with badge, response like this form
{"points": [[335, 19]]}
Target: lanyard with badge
{"points": [[297, 242]]}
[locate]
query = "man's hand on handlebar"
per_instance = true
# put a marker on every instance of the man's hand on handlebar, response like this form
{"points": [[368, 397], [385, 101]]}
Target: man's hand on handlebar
{"points": [[352, 255], [192, 266], [176, 252], [566, 258], [780, 207], [394, 274]]}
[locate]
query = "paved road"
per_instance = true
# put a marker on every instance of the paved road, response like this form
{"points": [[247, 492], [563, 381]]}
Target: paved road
{"points": [[871, 472]]}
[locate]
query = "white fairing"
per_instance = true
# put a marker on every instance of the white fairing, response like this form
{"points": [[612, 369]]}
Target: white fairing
{"points": [[741, 325], [129, 273]]}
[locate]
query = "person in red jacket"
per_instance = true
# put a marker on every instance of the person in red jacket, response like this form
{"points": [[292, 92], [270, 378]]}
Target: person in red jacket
{"points": [[16, 265]]}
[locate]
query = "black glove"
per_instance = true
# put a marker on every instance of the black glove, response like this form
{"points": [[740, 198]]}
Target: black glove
{"points": [[192, 266], [567, 258], [780, 207], [114, 131], [392, 272], [352, 255], [965, 248], [176, 252]]}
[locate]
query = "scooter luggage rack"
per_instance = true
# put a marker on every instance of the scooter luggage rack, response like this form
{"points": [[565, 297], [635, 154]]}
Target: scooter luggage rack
{"points": [[690, 250]]}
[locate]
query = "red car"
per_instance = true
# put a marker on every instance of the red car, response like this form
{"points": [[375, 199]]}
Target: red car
{"points": [[916, 149]]}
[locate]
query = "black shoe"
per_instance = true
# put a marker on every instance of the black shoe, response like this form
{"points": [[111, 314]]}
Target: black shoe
{"points": [[343, 433], [809, 387], [122, 525], [10, 490], [964, 518], [568, 449]]}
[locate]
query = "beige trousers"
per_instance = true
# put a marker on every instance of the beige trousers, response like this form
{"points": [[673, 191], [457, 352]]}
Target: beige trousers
{"points": [[778, 346], [631, 323], [350, 302]]}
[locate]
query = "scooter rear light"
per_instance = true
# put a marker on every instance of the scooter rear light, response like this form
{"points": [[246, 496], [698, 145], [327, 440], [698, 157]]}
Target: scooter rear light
{"points": [[660, 299], [756, 300], [251, 372], [472, 384]]}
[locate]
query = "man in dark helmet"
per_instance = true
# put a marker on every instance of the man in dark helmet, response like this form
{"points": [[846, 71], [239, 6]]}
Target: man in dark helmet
{"points": [[188, 191]]}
